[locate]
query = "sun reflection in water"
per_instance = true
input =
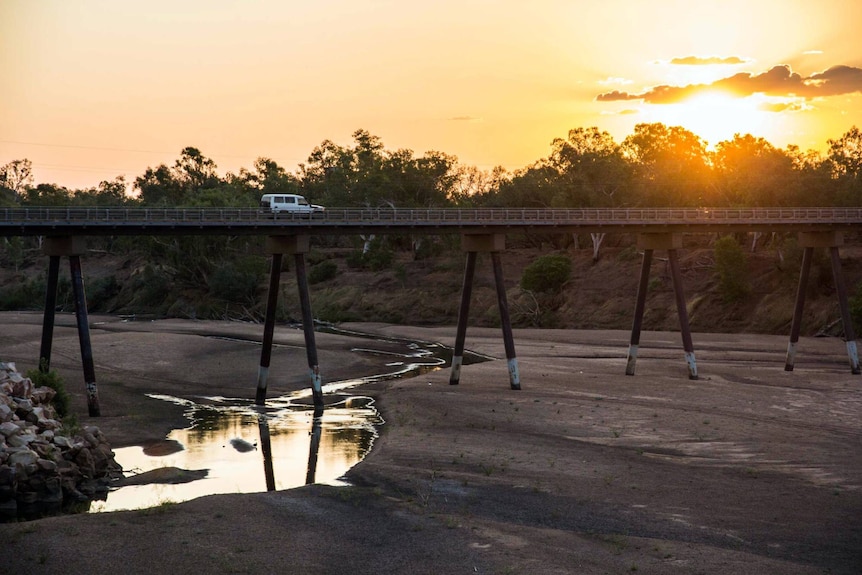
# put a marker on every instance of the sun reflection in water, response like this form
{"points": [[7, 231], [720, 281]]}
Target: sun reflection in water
{"points": [[239, 448]]}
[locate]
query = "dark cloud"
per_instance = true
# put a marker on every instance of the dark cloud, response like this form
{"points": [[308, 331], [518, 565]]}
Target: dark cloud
{"points": [[615, 96], [711, 61], [836, 80], [778, 81]]}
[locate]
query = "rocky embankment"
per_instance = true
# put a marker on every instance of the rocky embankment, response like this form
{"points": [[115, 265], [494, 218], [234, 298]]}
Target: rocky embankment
{"points": [[45, 467]]}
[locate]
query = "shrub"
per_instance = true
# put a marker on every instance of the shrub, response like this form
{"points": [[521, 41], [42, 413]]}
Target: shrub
{"points": [[378, 257], [547, 273], [148, 289], [325, 270], [53, 380], [100, 292], [732, 268], [237, 282]]}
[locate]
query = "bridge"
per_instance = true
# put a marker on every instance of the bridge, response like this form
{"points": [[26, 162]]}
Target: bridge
{"points": [[35, 221], [481, 229]]}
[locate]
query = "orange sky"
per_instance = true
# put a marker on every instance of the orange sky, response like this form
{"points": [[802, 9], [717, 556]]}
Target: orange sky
{"points": [[93, 89]]}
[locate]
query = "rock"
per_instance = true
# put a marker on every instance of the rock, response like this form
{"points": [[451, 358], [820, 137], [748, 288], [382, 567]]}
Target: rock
{"points": [[6, 412], [62, 441], [7, 429], [89, 438], [40, 469], [24, 457], [86, 463], [7, 476], [22, 388], [23, 404], [47, 465], [43, 395], [242, 445], [171, 475], [20, 440]]}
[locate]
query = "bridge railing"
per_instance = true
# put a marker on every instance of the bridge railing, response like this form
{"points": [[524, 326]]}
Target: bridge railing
{"points": [[429, 216]]}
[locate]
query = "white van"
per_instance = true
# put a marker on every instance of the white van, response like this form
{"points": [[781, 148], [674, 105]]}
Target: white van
{"points": [[289, 203]]}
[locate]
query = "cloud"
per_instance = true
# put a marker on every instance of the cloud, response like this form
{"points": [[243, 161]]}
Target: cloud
{"points": [[778, 81], [813, 52], [611, 81], [781, 107], [626, 112], [710, 61], [465, 119]]}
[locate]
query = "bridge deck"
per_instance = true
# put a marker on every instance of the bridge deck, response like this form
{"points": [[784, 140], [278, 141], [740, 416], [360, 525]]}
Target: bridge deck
{"points": [[48, 221]]}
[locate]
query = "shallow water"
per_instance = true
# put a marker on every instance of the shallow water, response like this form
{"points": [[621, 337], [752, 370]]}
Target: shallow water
{"points": [[244, 449], [234, 446]]}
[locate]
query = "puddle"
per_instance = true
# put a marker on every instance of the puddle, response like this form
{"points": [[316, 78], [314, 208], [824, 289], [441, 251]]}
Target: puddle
{"points": [[234, 446]]}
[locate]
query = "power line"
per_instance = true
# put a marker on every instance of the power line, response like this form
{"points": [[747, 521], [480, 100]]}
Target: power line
{"points": [[107, 149]]}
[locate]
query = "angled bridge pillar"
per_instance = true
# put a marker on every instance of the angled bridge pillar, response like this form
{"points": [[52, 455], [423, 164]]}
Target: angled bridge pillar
{"points": [[649, 243], [72, 247], [832, 241], [493, 244], [298, 246]]}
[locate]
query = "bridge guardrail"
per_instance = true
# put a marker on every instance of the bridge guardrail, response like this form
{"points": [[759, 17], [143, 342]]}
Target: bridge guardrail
{"points": [[118, 217]]}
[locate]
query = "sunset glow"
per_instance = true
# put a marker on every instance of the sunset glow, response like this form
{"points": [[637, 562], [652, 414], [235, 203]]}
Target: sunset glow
{"points": [[714, 116], [95, 89]]}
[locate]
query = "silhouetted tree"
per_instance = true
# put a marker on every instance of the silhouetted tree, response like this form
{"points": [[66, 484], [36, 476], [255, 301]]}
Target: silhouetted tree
{"points": [[15, 178]]}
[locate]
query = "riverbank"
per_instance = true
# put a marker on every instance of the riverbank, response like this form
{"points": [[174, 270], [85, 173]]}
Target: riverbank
{"points": [[748, 470]]}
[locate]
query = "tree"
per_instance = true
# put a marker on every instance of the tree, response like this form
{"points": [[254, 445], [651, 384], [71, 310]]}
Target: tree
{"points": [[751, 172], [108, 194], [159, 187], [195, 170], [593, 172], [47, 195], [845, 158], [671, 165], [533, 187], [176, 186], [547, 273], [845, 154], [15, 178], [592, 168], [813, 184], [269, 178]]}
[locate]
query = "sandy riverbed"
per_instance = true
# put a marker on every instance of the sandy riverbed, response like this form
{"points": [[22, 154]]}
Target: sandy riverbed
{"points": [[749, 470]]}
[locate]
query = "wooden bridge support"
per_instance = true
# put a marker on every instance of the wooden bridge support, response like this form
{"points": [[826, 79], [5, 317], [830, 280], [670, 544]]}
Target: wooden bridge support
{"points": [[266, 449], [72, 247], [314, 447], [493, 244], [648, 243], [298, 246], [809, 241]]}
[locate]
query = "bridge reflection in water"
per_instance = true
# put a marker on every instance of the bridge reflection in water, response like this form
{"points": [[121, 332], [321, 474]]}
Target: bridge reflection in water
{"points": [[246, 449]]}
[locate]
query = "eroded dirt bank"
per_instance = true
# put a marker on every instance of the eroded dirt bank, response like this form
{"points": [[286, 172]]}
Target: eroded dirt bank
{"points": [[748, 470]]}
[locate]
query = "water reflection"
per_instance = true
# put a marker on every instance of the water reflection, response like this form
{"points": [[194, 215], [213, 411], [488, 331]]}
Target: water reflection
{"points": [[228, 441]]}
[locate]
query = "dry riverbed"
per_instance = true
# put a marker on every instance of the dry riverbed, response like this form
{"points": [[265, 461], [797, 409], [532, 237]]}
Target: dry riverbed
{"points": [[749, 469]]}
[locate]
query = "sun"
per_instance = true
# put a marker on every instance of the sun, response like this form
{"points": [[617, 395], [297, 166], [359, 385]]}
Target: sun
{"points": [[714, 116]]}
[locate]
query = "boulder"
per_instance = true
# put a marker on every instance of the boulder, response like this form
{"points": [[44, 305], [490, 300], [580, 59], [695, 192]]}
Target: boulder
{"points": [[41, 469]]}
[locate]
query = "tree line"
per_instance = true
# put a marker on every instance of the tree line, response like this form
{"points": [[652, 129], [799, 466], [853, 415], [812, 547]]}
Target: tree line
{"points": [[222, 276], [656, 165]]}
